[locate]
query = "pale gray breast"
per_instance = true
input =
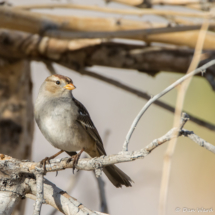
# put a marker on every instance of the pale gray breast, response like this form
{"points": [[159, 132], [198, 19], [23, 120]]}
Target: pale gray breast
{"points": [[56, 119]]}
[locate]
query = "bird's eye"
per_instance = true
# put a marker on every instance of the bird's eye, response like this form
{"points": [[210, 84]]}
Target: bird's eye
{"points": [[57, 82]]}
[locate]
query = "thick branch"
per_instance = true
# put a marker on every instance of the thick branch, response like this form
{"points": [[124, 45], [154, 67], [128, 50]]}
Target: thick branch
{"points": [[60, 200], [9, 201], [138, 12], [64, 27]]}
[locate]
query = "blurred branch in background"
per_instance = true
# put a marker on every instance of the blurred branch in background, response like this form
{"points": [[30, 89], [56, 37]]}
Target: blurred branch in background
{"points": [[64, 26], [194, 4]]}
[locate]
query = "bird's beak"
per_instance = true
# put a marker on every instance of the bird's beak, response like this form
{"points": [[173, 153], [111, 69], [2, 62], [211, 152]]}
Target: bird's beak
{"points": [[70, 87]]}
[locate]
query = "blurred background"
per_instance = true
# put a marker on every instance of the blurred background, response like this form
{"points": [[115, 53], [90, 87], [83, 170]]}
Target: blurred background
{"points": [[113, 110]]}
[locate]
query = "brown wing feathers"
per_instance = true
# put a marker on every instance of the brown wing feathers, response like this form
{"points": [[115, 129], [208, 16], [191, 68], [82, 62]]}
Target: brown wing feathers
{"points": [[115, 175], [86, 122]]}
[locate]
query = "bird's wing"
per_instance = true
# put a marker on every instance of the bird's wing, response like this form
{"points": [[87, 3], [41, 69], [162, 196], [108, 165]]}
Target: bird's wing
{"points": [[85, 120]]}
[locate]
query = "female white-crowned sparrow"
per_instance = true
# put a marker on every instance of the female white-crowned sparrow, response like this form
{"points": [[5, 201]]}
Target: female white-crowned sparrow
{"points": [[67, 125]]}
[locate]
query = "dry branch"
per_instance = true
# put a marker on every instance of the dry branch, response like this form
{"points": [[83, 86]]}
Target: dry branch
{"points": [[156, 97], [138, 12], [10, 165], [78, 54], [55, 26], [39, 23]]}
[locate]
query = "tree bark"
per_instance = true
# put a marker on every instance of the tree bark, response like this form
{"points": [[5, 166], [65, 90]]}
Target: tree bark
{"points": [[16, 113]]}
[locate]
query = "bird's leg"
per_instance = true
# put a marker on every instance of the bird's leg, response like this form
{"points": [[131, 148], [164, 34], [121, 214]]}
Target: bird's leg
{"points": [[75, 158], [43, 162]]}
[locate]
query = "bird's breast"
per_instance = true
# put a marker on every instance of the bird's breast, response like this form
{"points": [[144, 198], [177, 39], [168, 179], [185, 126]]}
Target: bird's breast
{"points": [[59, 126]]}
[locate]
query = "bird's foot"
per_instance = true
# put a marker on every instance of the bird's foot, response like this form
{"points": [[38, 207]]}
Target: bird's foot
{"points": [[43, 162], [75, 159]]}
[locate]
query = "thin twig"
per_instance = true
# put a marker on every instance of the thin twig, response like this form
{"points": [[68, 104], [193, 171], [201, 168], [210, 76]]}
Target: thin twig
{"points": [[50, 67], [130, 34], [146, 106], [179, 105], [39, 198], [201, 142]]}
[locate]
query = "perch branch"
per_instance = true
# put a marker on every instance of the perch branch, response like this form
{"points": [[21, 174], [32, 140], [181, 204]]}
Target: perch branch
{"points": [[89, 164]]}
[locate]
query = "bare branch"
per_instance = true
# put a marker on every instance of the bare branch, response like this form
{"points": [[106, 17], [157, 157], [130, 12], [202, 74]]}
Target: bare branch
{"points": [[146, 106], [87, 163], [54, 26], [127, 34], [9, 201], [60, 200], [138, 12], [198, 140], [39, 199]]}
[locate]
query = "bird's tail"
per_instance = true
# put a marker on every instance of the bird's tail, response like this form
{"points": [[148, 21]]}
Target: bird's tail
{"points": [[117, 176], [114, 174]]}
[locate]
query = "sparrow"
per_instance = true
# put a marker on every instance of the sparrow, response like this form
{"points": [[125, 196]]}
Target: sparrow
{"points": [[67, 125]]}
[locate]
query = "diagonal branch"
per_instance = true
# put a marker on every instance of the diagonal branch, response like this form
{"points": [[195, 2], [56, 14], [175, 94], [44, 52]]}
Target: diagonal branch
{"points": [[156, 97], [138, 12], [65, 27], [60, 199], [201, 142]]}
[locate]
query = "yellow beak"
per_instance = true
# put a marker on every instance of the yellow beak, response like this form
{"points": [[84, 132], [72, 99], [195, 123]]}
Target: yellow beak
{"points": [[70, 87]]}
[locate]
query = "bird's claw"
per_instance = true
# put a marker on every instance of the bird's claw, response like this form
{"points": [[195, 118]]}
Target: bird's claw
{"points": [[43, 163], [75, 159]]}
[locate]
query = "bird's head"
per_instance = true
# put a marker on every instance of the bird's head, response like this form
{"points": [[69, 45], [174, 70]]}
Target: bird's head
{"points": [[58, 85]]}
